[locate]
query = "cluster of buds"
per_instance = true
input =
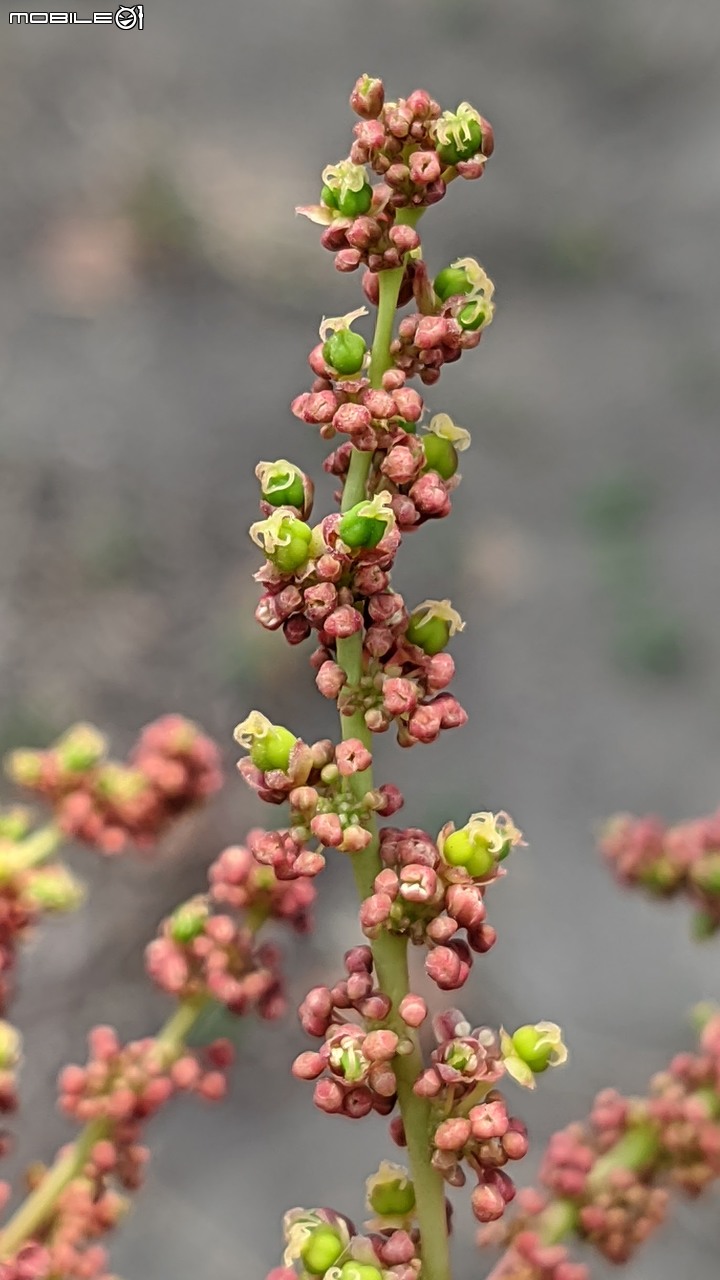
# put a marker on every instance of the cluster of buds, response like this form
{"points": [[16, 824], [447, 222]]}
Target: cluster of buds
{"points": [[453, 312], [324, 1243], [203, 955], [172, 768], [406, 671], [668, 862], [239, 882], [613, 1172], [433, 890], [30, 886], [352, 1069], [115, 1094], [471, 1125], [315, 782], [531, 1259]]}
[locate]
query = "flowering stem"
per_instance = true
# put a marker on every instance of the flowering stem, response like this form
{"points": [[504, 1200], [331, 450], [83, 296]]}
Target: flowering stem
{"points": [[38, 1208], [390, 950]]}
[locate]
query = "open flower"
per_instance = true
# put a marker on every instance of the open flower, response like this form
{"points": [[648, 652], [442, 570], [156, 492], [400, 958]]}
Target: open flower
{"points": [[486, 839], [390, 1195], [531, 1050]]}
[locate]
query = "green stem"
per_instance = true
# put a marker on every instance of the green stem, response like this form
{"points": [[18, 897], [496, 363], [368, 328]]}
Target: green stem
{"points": [[390, 950], [37, 1210]]}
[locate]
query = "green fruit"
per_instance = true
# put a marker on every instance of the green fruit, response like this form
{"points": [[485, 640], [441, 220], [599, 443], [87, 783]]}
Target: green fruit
{"points": [[451, 152], [284, 491], [482, 861], [360, 1271], [528, 1045], [361, 531], [273, 749], [328, 197], [472, 317], [429, 634], [291, 555], [352, 203], [345, 352], [441, 455], [409, 427], [462, 849], [393, 1198], [322, 1251], [450, 282]]}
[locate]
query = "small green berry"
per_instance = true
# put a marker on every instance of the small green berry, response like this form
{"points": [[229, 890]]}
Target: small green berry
{"points": [[345, 352], [533, 1048], [360, 1271], [441, 455], [361, 531], [322, 1251], [291, 555], [353, 203], [272, 750], [285, 490], [428, 633], [450, 282], [329, 198], [462, 849], [394, 1198], [472, 316], [410, 428]]}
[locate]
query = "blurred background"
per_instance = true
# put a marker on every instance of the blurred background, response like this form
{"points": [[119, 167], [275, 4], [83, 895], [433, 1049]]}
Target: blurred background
{"points": [[157, 302]]}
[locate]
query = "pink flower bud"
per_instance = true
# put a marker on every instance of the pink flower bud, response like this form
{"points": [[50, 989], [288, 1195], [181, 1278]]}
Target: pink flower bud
{"points": [[439, 671], [380, 404], [355, 839], [425, 167], [352, 756], [488, 1204], [367, 97], [343, 622], [452, 1134], [417, 883], [400, 696], [359, 960], [425, 723], [363, 232], [413, 1010], [375, 910], [489, 1120], [397, 1131], [445, 967], [392, 800], [329, 1096], [465, 904], [380, 1046], [396, 1249], [442, 929], [430, 332], [348, 260], [352, 418], [404, 238], [326, 827], [430, 495], [401, 465], [387, 881], [483, 938], [357, 1102], [308, 1066]]}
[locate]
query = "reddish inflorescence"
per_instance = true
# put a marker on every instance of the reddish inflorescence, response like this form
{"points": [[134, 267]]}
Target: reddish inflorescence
{"points": [[172, 768], [682, 860]]}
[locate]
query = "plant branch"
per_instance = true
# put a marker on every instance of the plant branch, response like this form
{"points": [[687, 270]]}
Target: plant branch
{"points": [[390, 950]]}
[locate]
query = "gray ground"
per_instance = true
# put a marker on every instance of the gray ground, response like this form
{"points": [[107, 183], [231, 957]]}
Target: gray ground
{"points": [[158, 300]]}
